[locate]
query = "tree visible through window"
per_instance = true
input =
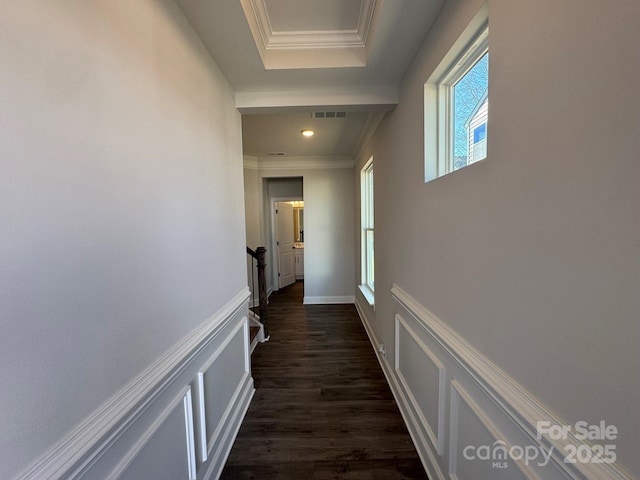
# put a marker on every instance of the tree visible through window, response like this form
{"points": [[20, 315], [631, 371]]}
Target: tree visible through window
{"points": [[470, 102], [457, 105]]}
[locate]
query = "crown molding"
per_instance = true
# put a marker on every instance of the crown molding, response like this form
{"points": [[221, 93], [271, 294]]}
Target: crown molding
{"points": [[370, 127], [303, 163], [250, 163], [309, 49]]}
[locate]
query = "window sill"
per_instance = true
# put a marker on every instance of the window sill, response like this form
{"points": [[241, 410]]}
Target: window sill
{"points": [[368, 294]]}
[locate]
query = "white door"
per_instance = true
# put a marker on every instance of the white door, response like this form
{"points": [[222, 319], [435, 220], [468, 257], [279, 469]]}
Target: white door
{"points": [[284, 241]]}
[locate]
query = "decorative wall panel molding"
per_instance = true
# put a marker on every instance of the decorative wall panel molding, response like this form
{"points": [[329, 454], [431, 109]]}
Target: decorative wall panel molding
{"points": [[228, 367], [499, 465], [157, 406], [478, 404], [422, 376], [151, 444], [507, 404]]}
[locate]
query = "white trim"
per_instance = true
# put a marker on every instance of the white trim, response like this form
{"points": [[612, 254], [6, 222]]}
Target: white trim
{"points": [[328, 300], [367, 225], [275, 251], [437, 436], [453, 433], [77, 451], [303, 163], [519, 405], [234, 421], [371, 125], [366, 19], [215, 435], [303, 40], [142, 442], [247, 353], [250, 163], [190, 435], [458, 392], [267, 38], [324, 48], [368, 295], [204, 454], [228, 413], [438, 154]]}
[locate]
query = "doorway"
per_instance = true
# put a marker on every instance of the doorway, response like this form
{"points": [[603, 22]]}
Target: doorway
{"points": [[286, 230], [285, 239], [288, 241]]}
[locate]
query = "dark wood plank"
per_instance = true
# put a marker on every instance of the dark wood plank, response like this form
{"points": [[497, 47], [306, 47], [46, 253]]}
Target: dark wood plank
{"points": [[322, 408]]}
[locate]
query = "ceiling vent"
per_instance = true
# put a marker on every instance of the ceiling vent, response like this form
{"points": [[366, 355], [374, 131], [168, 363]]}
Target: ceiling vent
{"points": [[276, 154], [318, 115]]}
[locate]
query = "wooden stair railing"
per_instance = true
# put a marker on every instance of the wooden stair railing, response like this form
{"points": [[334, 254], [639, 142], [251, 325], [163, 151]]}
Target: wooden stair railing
{"points": [[259, 256]]}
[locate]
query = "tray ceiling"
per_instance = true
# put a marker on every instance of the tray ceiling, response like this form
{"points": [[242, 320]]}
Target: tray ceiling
{"points": [[295, 34], [276, 54]]}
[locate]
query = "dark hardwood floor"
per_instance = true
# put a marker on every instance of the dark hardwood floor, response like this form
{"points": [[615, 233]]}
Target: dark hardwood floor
{"points": [[322, 408]]}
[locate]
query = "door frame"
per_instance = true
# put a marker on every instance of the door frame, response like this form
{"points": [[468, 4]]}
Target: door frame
{"points": [[275, 254]]}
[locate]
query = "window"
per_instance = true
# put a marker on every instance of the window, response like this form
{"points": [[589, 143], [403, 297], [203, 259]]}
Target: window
{"points": [[366, 221], [457, 105]]}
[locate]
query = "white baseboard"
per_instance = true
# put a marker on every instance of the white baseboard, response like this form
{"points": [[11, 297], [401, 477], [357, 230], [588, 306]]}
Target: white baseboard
{"points": [[328, 300], [100, 445]]}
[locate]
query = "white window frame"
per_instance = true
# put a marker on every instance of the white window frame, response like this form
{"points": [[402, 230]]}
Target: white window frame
{"points": [[367, 223], [438, 120]]}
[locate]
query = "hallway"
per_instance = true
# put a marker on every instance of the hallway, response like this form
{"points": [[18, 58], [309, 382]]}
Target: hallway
{"points": [[322, 407]]}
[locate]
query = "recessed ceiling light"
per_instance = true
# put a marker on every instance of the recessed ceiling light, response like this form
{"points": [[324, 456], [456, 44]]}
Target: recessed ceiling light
{"points": [[307, 133]]}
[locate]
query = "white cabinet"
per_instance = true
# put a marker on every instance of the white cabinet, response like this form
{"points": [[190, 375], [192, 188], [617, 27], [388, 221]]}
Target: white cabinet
{"points": [[299, 258]]}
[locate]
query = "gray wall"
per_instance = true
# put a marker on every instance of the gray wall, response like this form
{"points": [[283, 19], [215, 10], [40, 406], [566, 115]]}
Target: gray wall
{"points": [[254, 237], [532, 255], [328, 218], [252, 205], [285, 187], [121, 205]]}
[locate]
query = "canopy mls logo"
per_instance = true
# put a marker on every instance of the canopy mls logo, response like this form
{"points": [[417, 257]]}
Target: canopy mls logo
{"points": [[499, 453]]}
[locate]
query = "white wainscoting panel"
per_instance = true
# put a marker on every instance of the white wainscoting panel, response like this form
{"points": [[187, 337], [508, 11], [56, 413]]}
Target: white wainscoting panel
{"points": [[444, 386], [151, 428], [221, 381], [473, 438], [166, 450], [189, 433], [423, 379]]}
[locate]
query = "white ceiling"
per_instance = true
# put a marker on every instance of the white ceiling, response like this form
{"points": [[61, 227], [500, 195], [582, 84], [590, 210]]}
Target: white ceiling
{"points": [[333, 136], [326, 15], [290, 56]]}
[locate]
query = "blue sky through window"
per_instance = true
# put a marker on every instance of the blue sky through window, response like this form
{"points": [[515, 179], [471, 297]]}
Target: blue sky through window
{"points": [[468, 92]]}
